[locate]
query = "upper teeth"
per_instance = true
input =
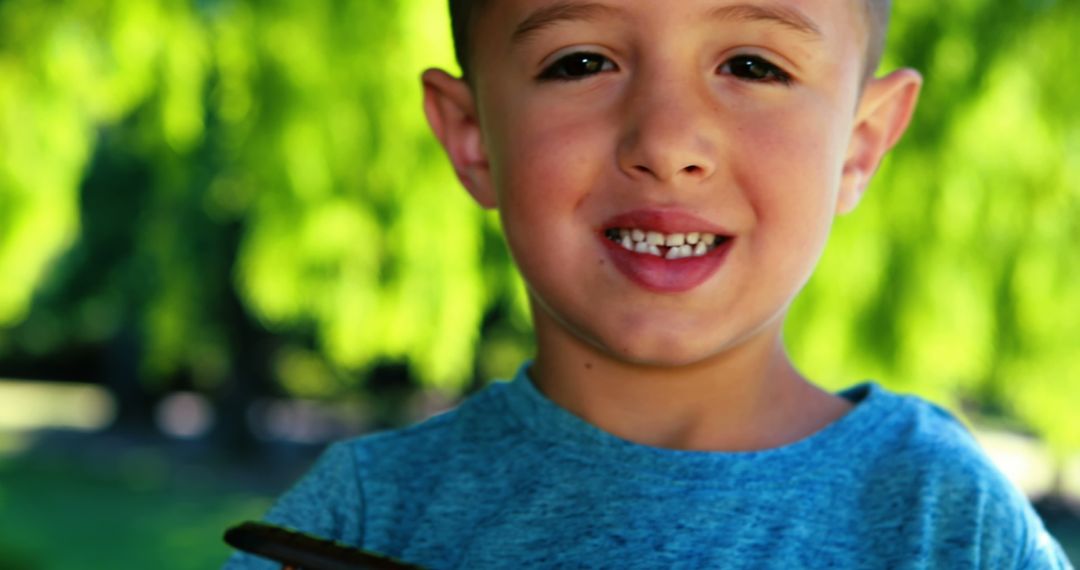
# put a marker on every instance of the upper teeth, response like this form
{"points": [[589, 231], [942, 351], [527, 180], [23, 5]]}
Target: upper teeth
{"points": [[668, 246]]}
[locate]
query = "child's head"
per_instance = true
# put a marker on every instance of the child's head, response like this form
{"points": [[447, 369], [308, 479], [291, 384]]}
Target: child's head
{"points": [[462, 13], [667, 172]]}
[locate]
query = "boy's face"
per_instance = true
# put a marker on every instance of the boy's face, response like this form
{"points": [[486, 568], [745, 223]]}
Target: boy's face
{"points": [[742, 119]]}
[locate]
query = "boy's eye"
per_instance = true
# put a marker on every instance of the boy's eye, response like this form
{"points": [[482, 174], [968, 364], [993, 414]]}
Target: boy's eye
{"points": [[578, 65], [756, 69]]}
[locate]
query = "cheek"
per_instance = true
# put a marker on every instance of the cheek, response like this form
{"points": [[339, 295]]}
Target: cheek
{"points": [[789, 165], [791, 161], [545, 165], [553, 166]]}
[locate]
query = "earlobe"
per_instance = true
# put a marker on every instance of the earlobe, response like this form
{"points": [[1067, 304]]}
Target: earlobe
{"points": [[451, 113], [884, 113]]}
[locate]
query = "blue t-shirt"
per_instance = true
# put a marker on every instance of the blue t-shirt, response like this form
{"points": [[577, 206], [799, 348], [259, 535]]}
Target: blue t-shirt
{"points": [[511, 480]]}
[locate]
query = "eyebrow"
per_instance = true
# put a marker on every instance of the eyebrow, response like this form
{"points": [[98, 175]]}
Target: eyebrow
{"points": [[790, 18], [567, 11], [570, 10]]}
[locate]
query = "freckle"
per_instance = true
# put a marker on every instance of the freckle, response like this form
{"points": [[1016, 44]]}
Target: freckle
{"points": [[588, 366]]}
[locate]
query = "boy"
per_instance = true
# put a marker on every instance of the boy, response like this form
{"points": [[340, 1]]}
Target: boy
{"points": [[667, 174]]}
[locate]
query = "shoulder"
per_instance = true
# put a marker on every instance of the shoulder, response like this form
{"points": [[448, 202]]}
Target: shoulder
{"points": [[331, 497], [924, 444], [397, 472], [917, 436], [471, 427], [927, 465]]}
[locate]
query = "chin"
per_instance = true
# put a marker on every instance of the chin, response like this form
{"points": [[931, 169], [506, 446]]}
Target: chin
{"points": [[660, 353]]}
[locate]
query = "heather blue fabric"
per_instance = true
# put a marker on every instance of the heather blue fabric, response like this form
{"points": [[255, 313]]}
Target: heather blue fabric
{"points": [[511, 480]]}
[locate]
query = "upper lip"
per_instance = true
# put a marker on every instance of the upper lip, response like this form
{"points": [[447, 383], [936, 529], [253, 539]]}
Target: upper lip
{"points": [[667, 221]]}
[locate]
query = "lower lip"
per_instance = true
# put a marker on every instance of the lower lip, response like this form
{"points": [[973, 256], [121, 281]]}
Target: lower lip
{"points": [[667, 275]]}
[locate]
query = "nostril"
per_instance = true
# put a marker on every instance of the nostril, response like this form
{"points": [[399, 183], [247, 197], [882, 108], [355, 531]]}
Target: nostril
{"points": [[692, 170]]}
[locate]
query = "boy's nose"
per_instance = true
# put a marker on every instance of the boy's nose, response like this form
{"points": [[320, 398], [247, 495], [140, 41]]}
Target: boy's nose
{"points": [[666, 136]]}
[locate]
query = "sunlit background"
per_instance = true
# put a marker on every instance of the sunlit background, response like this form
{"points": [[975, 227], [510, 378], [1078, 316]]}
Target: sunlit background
{"points": [[226, 238]]}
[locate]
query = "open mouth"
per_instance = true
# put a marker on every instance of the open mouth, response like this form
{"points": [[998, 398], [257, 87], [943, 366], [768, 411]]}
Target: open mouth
{"points": [[667, 246]]}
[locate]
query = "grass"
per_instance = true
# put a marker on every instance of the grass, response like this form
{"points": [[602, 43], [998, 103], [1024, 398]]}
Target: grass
{"points": [[58, 515]]}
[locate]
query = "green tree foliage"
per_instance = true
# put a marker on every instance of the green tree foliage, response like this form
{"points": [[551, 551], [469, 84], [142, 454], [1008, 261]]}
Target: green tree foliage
{"points": [[355, 225], [955, 277], [157, 157], [296, 125]]}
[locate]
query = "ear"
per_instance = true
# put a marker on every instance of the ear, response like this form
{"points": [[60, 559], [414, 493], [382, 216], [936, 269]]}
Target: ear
{"points": [[885, 110], [451, 112]]}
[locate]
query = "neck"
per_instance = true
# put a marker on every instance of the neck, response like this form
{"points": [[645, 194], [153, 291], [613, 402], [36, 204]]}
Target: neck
{"points": [[747, 398]]}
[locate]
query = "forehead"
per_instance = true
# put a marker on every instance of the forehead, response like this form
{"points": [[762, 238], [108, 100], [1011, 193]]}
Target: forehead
{"points": [[503, 22]]}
